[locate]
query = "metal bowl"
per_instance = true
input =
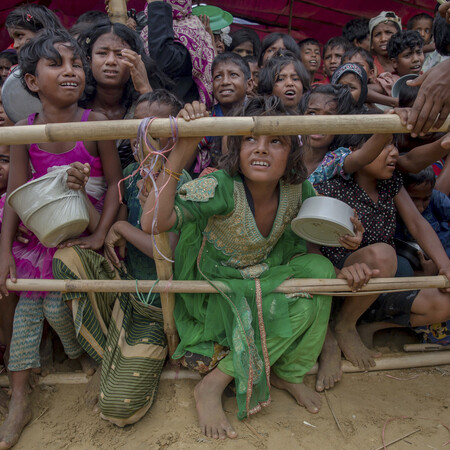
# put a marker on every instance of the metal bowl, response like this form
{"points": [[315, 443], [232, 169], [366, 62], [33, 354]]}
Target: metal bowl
{"points": [[323, 220]]}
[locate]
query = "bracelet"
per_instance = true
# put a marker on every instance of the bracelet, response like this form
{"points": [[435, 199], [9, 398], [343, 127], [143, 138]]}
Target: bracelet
{"points": [[175, 175]]}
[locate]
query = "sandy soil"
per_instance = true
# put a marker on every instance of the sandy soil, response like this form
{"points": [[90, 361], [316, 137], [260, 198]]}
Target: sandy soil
{"points": [[362, 403]]}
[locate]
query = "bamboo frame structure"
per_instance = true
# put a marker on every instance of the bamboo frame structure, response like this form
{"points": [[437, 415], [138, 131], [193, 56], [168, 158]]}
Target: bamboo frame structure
{"points": [[117, 11], [391, 362], [311, 285], [207, 126], [164, 267]]}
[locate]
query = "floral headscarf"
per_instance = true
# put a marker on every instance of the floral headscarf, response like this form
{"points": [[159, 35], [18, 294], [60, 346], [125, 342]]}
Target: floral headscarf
{"points": [[189, 31]]}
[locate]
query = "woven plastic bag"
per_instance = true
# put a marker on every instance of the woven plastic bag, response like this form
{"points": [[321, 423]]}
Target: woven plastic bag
{"points": [[49, 209]]}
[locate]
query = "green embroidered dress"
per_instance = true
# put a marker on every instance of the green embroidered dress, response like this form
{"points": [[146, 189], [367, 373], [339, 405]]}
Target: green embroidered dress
{"points": [[220, 242]]}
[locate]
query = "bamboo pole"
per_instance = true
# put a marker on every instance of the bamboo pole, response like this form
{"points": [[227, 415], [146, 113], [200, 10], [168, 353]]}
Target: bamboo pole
{"points": [[117, 11], [164, 267], [393, 361], [311, 285], [425, 347], [207, 126]]}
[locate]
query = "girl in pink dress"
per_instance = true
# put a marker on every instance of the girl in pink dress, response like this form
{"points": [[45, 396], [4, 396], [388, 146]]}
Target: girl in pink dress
{"points": [[53, 69]]}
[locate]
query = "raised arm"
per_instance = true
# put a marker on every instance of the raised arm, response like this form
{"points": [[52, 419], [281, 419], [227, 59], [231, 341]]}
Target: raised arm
{"points": [[421, 157], [367, 153], [166, 183]]}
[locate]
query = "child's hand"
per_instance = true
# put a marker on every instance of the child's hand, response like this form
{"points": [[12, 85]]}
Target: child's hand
{"points": [[138, 71], [429, 268], [353, 242], [94, 242], [357, 275], [446, 272], [403, 113], [23, 234], [192, 111], [78, 175], [114, 239], [7, 268]]}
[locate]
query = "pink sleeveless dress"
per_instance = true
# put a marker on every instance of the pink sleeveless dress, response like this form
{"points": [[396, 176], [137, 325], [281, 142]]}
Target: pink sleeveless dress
{"points": [[34, 260]]}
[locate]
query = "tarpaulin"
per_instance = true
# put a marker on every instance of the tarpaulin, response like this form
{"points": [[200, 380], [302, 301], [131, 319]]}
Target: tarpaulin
{"points": [[318, 19]]}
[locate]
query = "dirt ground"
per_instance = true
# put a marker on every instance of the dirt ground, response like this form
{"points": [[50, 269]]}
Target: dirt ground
{"points": [[363, 404]]}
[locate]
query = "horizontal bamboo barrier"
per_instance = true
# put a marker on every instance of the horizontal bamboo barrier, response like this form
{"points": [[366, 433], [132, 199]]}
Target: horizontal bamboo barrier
{"points": [[311, 285], [207, 126], [388, 362]]}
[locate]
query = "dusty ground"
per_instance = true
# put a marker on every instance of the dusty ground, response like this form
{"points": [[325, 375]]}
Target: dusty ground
{"points": [[362, 403]]}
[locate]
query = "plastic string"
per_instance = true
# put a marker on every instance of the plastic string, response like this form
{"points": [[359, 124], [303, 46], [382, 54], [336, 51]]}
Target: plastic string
{"points": [[148, 300]]}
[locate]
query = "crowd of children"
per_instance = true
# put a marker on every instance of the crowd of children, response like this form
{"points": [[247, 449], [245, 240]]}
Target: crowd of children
{"points": [[227, 203]]}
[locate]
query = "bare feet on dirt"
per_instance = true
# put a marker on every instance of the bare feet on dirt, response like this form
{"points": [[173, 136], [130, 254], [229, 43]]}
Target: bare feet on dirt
{"points": [[330, 371], [18, 417], [92, 393], [88, 365], [353, 349], [208, 400], [302, 394]]}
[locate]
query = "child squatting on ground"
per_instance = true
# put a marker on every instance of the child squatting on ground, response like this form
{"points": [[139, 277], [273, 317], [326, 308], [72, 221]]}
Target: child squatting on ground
{"points": [[252, 336]]}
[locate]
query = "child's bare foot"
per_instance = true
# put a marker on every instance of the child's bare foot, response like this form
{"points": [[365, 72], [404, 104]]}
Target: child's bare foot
{"points": [[354, 350], [303, 394], [208, 400], [330, 371], [88, 365], [366, 332], [18, 417]]}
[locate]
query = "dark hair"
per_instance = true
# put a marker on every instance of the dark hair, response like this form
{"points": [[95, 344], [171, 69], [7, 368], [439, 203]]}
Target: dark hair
{"points": [[403, 40], [87, 40], [251, 59], [306, 41], [163, 97], [235, 59], [33, 17], [407, 95], [91, 17], [441, 35], [350, 53], [245, 35], [43, 47], [337, 41], [10, 56], [359, 72], [266, 106], [412, 21], [268, 75], [356, 29], [271, 38], [424, 176]]}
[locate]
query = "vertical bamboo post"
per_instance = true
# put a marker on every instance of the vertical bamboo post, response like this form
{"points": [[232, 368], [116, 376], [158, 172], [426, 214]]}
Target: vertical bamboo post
{"points": [[164, 272], [117, 11]]}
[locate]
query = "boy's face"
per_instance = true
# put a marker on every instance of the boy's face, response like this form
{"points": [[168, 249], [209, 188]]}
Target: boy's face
{"points": [[424, 27], [254, 70], [244, 49], [380, 37], [229, 84], [155, 109], [4, 167], [359, 59], [409, 61], [353, 83], [5, 65], [332, 59], [365, 43], [421, 195], [310, 56]]}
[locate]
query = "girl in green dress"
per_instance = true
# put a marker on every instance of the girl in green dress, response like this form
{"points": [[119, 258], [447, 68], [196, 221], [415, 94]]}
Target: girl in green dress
{"points": [[234, 228]]}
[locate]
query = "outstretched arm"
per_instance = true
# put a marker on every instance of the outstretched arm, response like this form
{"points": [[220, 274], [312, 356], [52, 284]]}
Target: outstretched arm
{"points": [[367, 153], [166, 182]]}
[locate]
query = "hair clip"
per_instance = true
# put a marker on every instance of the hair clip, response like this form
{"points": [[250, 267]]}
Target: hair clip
{"points": [[88, 40], [29, 17]]}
